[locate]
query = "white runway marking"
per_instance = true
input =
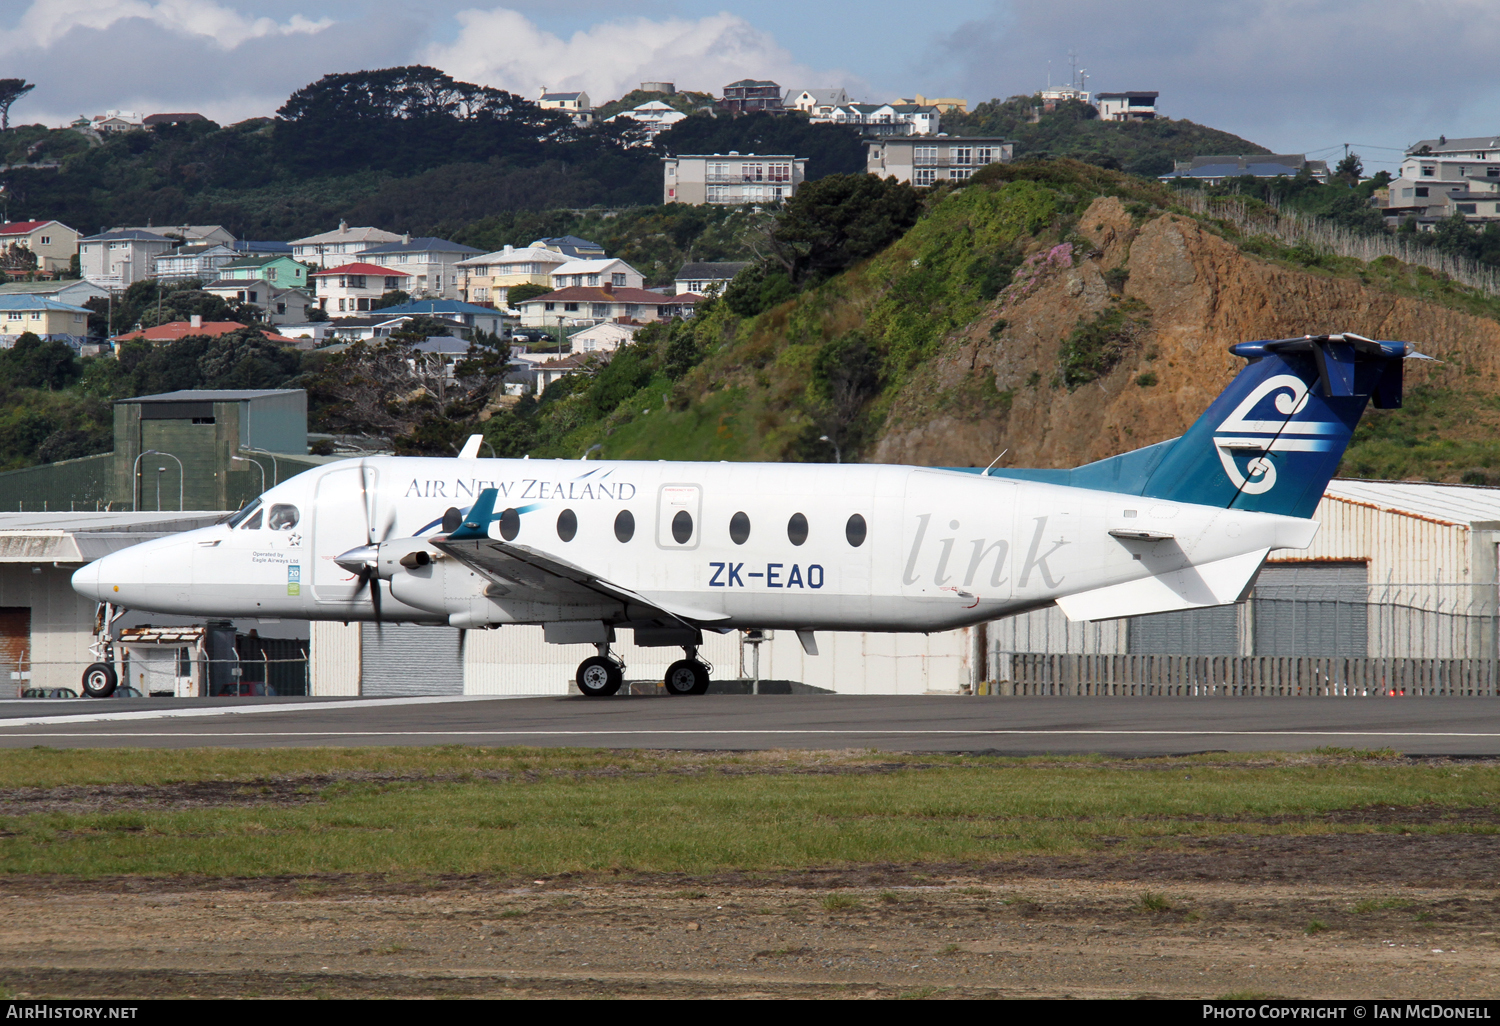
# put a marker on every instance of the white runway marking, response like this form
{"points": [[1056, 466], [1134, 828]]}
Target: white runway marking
{"points": [[242, 710], [751, 732]]}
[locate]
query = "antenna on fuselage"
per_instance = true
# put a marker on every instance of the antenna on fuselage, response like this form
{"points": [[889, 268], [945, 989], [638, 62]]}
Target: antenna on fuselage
{"points": [[997, 459]]}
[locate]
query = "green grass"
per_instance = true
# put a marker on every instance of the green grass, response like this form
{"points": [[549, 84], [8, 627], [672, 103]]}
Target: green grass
{"points": [[838, 902], [540, 812], [1150, 901]]}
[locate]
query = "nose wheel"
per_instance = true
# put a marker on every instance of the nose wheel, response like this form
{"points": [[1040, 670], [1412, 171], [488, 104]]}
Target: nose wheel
{"points": [[600, 675], [688, 676]]}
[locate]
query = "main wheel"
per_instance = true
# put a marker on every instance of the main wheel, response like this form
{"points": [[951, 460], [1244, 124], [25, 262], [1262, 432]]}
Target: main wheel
{"points": [[687, 677], [598, 676], [99, 680]]}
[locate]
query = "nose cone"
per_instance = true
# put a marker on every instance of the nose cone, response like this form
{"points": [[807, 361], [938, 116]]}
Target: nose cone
{"points": [[86, 581]]}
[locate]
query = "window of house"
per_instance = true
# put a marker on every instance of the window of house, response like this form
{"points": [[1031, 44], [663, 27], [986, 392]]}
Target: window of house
{"points": [[632, 310], [924, 176], [281, 308], [341, 306], [923, 154], [270, 274], [599, 310], [593, 279], [1428, 170], [570, 308], [357, 281], [1421, 190], [1468, 208], [1492, 172], [962, 155], [364, 304], [548, 306], [617, 278], [46, 240], [392, 283]]}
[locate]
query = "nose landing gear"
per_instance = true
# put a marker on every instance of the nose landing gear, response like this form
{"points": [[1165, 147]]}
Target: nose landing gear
{"points": [[688, 676], [602, 674]]}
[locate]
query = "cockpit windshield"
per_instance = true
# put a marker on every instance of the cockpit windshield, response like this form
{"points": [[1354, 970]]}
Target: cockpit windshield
{"points": [[235, 520]]}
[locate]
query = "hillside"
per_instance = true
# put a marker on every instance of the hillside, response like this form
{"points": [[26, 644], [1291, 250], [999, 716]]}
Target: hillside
{"points": [[1051, 310]]}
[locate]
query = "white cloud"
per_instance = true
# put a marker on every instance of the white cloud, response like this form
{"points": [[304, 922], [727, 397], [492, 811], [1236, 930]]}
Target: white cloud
{"points": [[504, 49], [46, 22]]}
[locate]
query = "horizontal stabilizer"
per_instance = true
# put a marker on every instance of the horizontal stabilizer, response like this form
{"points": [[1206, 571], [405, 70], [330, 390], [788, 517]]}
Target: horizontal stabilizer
{"points": [[1210, 584]]}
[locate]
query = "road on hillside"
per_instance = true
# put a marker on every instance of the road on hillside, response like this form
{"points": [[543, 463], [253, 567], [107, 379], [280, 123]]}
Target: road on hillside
{"points": [[1010, 726]]}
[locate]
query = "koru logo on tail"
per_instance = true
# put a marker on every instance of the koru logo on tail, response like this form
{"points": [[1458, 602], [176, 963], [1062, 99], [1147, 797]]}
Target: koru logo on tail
{"points": [[1243, 436]]}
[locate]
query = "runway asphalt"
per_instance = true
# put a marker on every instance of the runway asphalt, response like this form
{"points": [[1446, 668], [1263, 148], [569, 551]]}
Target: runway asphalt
{"points": [[1010, 726]]}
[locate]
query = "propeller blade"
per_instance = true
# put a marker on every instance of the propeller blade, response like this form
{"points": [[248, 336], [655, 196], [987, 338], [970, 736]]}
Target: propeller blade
{"points": [[375, 595], [462, 634]]}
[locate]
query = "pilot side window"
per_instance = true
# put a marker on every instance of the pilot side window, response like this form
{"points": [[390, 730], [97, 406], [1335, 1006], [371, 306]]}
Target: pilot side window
{"points": [[283, 517], [253, 524], [239, 517]]}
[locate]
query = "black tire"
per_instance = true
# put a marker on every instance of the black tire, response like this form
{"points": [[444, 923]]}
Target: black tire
{"points": [[100, 680], [599, 677], [686, 677]]}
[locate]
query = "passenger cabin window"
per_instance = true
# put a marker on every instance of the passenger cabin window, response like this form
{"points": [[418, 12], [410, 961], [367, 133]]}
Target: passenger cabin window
{"points": [[739, 528], [283, 517], [624, 526], [682, 527], [510, 524], [854, 530], [567, 525], [796, 529], [253, 524]]}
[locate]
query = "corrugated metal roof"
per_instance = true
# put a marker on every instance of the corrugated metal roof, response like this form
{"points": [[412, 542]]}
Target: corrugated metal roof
{"points": [[209, 395], [1453, 504]]}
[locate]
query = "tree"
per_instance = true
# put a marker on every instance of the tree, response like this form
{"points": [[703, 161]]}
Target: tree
{"points": [[11, 90], [521, 293], [1351, 169], [36, 363], [395, 297]]}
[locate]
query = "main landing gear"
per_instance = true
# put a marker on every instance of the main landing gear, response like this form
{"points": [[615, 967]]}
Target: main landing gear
{"points": [[602, 674]]}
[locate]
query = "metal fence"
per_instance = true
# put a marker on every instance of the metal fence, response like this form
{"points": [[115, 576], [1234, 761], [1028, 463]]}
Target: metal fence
{"points": [[270, 672]]}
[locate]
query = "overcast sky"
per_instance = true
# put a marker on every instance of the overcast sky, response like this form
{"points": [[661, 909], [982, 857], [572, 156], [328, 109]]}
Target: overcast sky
{"points": [[1293, 75]]}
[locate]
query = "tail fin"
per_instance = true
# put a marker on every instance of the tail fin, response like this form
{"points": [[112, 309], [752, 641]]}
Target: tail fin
{"points": [[477, 523], [1274, 438]]}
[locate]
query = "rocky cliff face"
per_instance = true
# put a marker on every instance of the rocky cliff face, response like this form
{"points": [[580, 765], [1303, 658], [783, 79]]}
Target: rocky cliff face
{"points": [[1179, 296]]}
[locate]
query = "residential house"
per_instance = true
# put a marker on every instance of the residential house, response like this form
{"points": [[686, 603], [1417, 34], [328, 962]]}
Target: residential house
{"points": [[700, 277], [488, 279], [731, 179], [576, 105], [560, 367], [381, 325], [250, 247], [117, 259], [174, 330], [195, 261], [883, 118], [583, 305], [47, 318], [816, 102], [1135, 105], [116, 121], [604, 337], [604, 271], [278, 269], [1053, 95], [748, 95], [1452, 160], [70, 291], [928, 160], [431, 265], [653, 116], [185, 233], [571, 246], [280, 304], [944, 104], [466, 316], [158, 120], [332, 248], [1431, 200], [354, 287], [1216, 169], [52, 242]]}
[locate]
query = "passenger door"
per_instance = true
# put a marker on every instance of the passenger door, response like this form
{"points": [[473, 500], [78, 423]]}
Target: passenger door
{"points": [[340, 522]]}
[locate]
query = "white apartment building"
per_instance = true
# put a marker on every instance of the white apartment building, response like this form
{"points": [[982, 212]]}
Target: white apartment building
{"points": [[353, 288], [339, 247], [200, 260], [575, 104], [928, 160], [731, 179], [431, 265], [883, 118], [117, 259], [609, 271], [1452, 160], [1136, 105], [653, 116], [489, 278]]}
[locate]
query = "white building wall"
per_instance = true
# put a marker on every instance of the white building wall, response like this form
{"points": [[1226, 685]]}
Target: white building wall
{"points": [[335, 657], [61, 623], [1402, 548]]}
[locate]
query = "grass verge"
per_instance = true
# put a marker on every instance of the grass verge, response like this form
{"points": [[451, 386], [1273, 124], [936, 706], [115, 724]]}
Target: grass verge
{"points": [[534, 812]]}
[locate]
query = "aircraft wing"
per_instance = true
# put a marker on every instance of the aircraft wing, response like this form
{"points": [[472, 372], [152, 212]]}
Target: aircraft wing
{"points": [[527, 574]]}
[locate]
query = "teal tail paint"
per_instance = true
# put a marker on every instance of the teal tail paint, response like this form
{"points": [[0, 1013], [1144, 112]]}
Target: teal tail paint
{"points": [[1272, 440]]}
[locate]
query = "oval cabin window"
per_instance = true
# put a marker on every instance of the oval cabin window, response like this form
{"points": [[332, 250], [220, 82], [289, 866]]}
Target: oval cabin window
{"points": [[854, 530], [739, 528], [682, 527], [796, 529], [510, 524], [624, 525], [567, 525]]}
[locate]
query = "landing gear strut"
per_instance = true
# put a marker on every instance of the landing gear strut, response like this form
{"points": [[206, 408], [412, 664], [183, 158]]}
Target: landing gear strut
{"points": [[688, 676], [602, 674]]}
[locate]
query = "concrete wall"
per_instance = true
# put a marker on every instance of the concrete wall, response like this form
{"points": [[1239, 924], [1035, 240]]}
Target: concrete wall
{"points": [[61, 624], [81, 484]]}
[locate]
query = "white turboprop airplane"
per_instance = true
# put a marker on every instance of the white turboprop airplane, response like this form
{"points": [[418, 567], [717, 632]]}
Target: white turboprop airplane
{"points": [[669, 550]]}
